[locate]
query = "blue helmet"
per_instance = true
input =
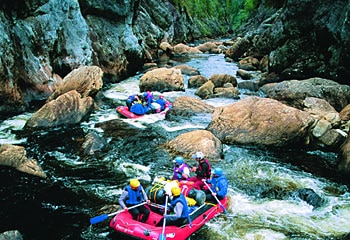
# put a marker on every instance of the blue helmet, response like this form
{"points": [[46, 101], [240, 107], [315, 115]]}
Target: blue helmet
{"points": [[179, 160], [217, 172]]}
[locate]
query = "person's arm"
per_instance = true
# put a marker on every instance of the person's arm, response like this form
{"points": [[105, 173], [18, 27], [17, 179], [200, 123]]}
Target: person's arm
{"points": [[186, 172], [122, 199], [145, 195], [177, 210]]}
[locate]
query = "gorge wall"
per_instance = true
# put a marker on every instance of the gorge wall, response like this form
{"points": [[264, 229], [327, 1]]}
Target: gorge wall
{"points": [[41, 41]]}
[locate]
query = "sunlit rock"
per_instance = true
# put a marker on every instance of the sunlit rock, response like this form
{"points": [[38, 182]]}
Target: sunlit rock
{"points": [[85, 80], [163, 80], [184, 49], [321, 109], [68, 108], [209, 47], [345, 113], [260, 121], [344, 157], [15, 156], [197, 81], [219, 80], [226, 92], [294, 92], [187, 70], [189, 106], [187, 144], [206, 90]]}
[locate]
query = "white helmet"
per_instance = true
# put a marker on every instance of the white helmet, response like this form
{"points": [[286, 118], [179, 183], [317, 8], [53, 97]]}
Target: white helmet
{"points": [[199, 155]]}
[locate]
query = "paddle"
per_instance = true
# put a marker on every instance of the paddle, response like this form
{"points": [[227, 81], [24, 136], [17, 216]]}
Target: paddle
{"points": [[222, 206], [103, 217], [162, 236]]}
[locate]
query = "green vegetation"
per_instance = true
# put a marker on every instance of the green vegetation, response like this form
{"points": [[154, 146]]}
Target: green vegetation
{"points": [[231, 12]]}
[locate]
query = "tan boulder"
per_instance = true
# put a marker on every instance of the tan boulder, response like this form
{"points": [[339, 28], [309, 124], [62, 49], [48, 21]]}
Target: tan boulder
{"points": [[15, 156], [184, 49], [188, 106], [345, 113], [293, 92], [226, 92], [344, 157], [197, 81], [187, 144], [260, 121], [166, 47], [68, 108], [249, 63], [187, 70], [219, 80], [244, 74], [332, 139], [321, 109], [85, 80], [206, 90], [162, 79], [209, 47]]}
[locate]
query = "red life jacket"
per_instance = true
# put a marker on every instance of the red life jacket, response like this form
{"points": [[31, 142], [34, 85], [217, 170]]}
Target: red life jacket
{"points": [[208, 173]]}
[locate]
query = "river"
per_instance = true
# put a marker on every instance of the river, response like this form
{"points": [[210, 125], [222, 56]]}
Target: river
{"points": [[261, 180]]}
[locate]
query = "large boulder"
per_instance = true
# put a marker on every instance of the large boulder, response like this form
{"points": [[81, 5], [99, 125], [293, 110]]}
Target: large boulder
{"points": [[219, 80], [344, 157], [15, 156], [85, 80], [68, 108], [189, 106], [294, 92], [187, 144], [260, 121], [197, 81], [206, 90], [163, 80]]}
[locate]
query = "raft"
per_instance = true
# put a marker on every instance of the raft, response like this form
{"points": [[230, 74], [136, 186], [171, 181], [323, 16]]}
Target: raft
{"points": [[124, 111], [124, 224]]}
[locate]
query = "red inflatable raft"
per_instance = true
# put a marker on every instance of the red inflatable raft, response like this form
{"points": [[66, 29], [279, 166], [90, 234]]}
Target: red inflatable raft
{"points": [[124, 223], [124, 111]]}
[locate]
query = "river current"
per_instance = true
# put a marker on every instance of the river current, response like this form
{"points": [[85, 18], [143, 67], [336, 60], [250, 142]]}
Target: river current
{"points": [[260, 180]]}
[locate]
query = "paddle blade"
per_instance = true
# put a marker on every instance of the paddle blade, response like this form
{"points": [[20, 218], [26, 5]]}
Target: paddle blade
{"points": [[98, 219], [162, 237]]}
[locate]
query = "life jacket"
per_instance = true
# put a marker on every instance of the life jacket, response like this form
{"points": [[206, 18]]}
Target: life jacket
{"points": [[181, 199], [132, 97], [220, 185], [178, 172], [148, 97], [208, 173], [162, 103], [134, 196], [138, 109]]}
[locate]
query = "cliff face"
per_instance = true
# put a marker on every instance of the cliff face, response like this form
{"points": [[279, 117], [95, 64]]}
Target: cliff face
{"points": [[303, 39], [41, 41]]}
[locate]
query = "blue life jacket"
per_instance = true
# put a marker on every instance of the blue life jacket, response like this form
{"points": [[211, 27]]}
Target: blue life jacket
{"points": [[162, 103], [220, 185], [148, 97], [134, 196], [181, 199], [138, 109]]}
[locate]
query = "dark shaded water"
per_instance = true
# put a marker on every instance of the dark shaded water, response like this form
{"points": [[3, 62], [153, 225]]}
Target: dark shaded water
{"points": [[61, 206]]}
